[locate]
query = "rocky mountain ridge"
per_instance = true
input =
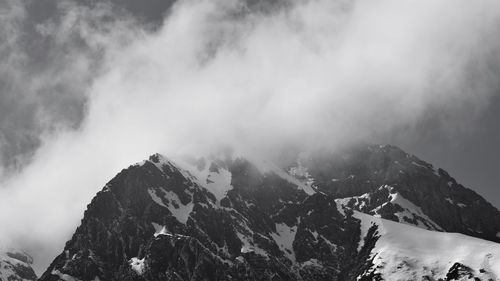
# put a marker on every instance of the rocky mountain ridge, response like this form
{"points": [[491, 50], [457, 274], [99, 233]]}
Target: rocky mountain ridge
{"points": [[320, 218], [361, 172]]}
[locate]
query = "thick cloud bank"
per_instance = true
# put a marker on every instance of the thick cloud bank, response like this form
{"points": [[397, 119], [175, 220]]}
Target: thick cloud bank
{"points": [[303, 74]]}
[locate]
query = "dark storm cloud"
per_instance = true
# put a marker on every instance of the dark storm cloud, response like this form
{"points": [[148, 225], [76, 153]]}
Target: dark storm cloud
{"points": [[95, 87], [31, 102], [46, 64]]}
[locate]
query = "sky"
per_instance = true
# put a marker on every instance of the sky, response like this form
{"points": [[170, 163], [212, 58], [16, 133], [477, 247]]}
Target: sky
{"points": [[90, 87]]}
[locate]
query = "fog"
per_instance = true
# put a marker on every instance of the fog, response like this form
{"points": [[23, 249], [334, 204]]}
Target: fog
{"points": [[304, 74]]}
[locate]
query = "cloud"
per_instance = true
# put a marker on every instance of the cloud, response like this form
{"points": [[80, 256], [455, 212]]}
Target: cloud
{"points": [[309, 74], [46, 65]]}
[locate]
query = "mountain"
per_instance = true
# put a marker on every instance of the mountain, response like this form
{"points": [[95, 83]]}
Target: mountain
{"points": [[370, 213], [16, 266], [408, 253], [386, 181]]}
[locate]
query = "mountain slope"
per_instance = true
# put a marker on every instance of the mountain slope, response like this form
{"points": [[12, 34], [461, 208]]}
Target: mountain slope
{"points": [[224, 218], [16, 266], [155, 220], [361, 173], [408, 253]]}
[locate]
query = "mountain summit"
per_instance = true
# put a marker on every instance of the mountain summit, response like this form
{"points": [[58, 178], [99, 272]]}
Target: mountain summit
{"points": [[371, 213]]}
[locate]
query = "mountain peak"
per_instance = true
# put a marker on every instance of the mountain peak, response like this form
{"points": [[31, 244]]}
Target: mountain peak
{"points": [[339, 216]]}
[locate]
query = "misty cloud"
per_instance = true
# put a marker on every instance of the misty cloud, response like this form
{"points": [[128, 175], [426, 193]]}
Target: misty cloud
{"points": [[46, 65], [310, 74]]}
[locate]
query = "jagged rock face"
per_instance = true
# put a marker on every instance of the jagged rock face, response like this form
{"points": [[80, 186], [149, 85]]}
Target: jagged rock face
{"points": [[387, 203], [16, 266], [228, 219], [460, 272], [361, 172], [156, 221]]}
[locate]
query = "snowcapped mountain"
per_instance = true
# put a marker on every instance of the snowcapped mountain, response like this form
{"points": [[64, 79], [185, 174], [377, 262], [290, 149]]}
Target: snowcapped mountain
{"points": [[408, 253], [16, 266], [372, 213], [381, 175]]}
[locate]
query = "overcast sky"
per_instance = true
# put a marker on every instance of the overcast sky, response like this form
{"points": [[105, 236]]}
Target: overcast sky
{"points": [[89, 87]]}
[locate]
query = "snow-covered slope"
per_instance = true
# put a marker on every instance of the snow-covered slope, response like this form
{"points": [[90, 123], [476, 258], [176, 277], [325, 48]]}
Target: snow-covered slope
{"points": [[385, 180], [386, 201], [15, 266], [209, 172], [405, 252]]}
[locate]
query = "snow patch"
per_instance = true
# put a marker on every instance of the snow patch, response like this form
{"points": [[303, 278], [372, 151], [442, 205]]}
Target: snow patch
{"points": [[344, 201], [63, 276], [248, 245], [265, 166], [333, 247], [409, 210], [436, 172], [340, 206], [302, 174], [156, 198], [284, 239], [312, 262], [365, 225], [217, 182], [411, 213], [137, 265], [160, 230], [451, 201], [419, 165], [180, 211]]}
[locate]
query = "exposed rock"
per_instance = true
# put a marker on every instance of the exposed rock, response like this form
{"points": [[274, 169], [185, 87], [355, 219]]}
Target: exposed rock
{"points": [[362, 171], [461, 272], [228, 219]]}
